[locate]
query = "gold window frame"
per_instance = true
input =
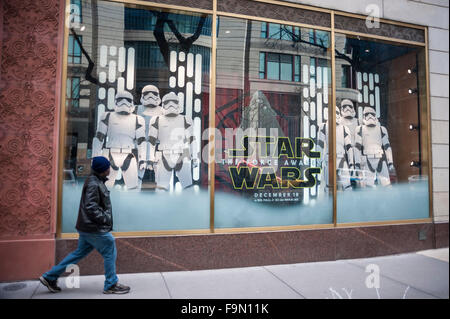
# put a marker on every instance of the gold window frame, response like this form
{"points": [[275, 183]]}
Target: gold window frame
{"points": [[211, 166]]}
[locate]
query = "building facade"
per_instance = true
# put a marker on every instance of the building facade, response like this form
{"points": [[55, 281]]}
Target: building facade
{"points": [[240, 133]]}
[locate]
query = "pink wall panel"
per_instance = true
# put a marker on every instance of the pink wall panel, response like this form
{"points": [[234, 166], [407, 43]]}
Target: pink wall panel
{"points": [[31, 35]]}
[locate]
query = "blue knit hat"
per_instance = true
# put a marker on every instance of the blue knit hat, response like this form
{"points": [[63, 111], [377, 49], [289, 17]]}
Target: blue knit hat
{"points": [[100, 164]]}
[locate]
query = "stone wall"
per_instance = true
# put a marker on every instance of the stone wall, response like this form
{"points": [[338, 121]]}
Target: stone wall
{"points": [[30, 84]]}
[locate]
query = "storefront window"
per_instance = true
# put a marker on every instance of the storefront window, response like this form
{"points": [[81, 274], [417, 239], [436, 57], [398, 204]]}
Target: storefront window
{"points": [[380, 134], [139, 95], [271, 101]]}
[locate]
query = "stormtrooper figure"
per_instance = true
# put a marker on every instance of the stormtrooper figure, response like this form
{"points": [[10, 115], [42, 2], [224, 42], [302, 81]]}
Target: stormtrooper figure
{"points": [[348, 117], [124, 133], [172, 144], [344, 153], [149, 108], [373, 150]]}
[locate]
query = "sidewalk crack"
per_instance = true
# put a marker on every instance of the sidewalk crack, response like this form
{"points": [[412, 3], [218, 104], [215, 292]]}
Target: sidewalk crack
{"points": [[167, 287], [292, 288], [36, 289]]}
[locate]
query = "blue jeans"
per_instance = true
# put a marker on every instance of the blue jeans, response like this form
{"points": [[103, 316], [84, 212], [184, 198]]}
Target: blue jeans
{"points": [[105, 245]]}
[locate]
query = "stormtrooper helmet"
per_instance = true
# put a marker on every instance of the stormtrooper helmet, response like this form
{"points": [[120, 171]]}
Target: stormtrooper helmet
{"points": [[369, 116], [171, 104], [347, 109], [124, 102], [150, 96]]}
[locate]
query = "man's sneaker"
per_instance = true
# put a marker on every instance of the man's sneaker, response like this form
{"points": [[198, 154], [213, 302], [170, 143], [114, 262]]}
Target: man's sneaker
{"points": [[117, 289], [52, 285]]}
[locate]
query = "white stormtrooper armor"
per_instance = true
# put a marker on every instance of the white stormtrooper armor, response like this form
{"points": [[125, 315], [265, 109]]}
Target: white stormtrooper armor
{"points": [[172, 144], [373, 150], [344, 154], [150, 107], [348, 117], [124, 133]]}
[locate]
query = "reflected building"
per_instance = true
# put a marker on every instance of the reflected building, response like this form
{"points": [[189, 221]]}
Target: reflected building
{"points": [[113, 47]]}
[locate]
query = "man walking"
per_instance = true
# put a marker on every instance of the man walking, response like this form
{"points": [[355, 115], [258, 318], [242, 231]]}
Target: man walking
{"points": [[94, 225]]}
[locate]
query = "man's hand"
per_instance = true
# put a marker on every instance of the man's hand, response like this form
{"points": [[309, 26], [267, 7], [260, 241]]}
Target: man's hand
{"points": [[142, 165]]}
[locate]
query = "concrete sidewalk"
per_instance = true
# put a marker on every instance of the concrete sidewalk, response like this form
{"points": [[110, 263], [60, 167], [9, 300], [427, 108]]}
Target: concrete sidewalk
{"points": [[415, 275]]}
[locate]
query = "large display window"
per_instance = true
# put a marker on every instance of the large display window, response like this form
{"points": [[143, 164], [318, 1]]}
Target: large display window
{"points": [[381, 100], [243, 114], [273, 94], [142, 102]]}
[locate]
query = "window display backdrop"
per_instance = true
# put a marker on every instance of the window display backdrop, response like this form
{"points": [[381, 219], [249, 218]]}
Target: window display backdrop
{"points": [[382, 171], [142, 102], [272, 96]]}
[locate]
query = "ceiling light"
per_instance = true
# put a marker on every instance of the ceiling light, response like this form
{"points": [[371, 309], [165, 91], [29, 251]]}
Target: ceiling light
{"points": [[414, 164], [413, 70]]}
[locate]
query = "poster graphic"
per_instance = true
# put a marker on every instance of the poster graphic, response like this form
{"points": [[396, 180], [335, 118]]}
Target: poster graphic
{"points": [[263, 162]]}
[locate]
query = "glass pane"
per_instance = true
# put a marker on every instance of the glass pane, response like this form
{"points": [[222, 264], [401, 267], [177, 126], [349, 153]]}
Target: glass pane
{"points": [[273, 66], [312, 38], [323, 38], [263, 30], [312, 63], [75, 11], [297, 69], [286, 32], [158, 179], [70, 45], [267, 154], [382, 163], [286, 67], [274, 31], [286, 72], [77, 49], [68, 88], [262, 65], [285, 58], [76, 88]]}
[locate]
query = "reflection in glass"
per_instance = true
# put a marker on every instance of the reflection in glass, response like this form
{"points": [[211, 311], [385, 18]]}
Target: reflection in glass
{"points": [[140, 97], [271, 85], [375, 111]]}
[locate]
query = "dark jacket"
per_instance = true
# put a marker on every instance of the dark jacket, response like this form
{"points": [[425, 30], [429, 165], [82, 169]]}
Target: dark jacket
{"points": [[95, 213]]}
